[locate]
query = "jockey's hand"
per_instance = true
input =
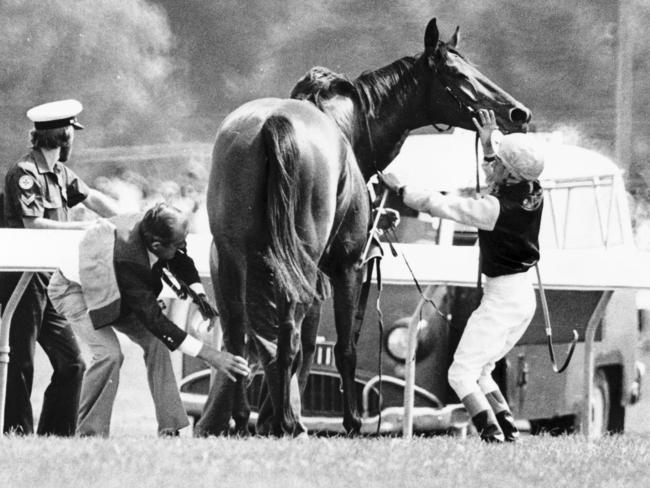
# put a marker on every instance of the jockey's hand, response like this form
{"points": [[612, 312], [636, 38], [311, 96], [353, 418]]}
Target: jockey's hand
{"points": [[224, 362], [486, 124], [391, 181], [389, 218]]}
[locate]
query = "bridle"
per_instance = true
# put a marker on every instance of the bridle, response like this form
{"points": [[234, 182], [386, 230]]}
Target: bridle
{"points": [[463, 107]]}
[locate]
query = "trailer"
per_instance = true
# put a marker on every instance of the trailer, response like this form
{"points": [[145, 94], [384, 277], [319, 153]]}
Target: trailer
{"points": [[590, 272]]}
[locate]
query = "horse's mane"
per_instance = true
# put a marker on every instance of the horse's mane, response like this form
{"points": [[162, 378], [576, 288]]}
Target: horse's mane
{"points": [[396, 80], [318, 83], [323, 87]]}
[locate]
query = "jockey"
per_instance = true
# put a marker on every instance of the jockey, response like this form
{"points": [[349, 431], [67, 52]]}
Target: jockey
{"points": [[508, 220]]}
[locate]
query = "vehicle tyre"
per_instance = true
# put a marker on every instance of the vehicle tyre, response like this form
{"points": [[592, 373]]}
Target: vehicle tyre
{"points": [[601, 404], [561, 425], [616, 422]]}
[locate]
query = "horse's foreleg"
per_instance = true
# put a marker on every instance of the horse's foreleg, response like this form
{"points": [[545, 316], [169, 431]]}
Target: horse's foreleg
{"points": [[346, 292]]}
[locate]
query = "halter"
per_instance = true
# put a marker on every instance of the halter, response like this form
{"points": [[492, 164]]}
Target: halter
{"points": [[462, 106]]}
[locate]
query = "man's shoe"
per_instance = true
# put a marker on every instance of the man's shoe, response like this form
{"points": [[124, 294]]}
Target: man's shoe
{"points": [[487, 427], [507, 424]]}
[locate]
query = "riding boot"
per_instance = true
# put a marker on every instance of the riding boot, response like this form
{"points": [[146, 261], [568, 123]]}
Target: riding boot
{"points": [[483, 417], [507, 424], [503, 414], [487, 426]]}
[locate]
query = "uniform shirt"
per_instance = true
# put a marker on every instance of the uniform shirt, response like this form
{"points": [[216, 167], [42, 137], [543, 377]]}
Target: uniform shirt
{"points": [[513, 245], [33, 190], [508, 222]]}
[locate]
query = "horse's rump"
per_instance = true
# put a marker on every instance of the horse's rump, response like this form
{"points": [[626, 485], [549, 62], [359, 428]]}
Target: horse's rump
{"points": [[275, 190]]}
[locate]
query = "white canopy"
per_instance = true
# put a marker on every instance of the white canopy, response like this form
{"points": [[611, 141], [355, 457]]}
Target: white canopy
{"points": [[448, 161]]}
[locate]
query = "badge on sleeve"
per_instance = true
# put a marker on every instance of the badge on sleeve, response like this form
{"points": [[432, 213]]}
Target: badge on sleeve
{"points": [[25, 182]]}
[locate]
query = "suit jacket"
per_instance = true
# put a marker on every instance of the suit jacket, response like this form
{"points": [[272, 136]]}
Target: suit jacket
{"points": [[140, 286]]}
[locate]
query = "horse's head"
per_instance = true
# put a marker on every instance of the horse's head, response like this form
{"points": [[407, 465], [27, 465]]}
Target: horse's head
{"points": [[458, 89]]}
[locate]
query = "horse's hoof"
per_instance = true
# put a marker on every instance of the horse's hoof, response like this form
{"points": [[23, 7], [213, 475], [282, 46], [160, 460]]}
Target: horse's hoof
{"points": [[209, 433], [352, 427], [241, 428], [242, 432], [302, 436]]}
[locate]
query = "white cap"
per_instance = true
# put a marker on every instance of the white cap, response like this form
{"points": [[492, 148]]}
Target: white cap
{"points": [[56, 114], [521, 154]]}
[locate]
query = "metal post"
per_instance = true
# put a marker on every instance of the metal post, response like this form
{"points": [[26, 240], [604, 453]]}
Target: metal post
{"points": [[589, 360], [624, 89], [409, 371], [5, 323]]}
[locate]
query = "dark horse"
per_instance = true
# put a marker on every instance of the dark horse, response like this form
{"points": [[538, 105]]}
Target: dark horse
{"points": [[289, 212]]}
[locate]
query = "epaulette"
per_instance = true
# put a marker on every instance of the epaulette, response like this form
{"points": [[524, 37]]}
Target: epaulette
{"points": [[27, 165]]}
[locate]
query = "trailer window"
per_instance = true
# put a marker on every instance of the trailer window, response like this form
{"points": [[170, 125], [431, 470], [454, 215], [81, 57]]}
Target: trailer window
{"points": [[581, 214]]}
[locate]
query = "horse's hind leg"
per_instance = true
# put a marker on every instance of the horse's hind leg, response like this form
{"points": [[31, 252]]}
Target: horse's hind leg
{"points": [[227, 399], [308, 335], [280, 374], [346, 289], [309, 331]]}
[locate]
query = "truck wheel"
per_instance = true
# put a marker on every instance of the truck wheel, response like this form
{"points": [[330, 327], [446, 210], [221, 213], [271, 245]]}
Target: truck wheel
{"points": [[562, 425], [600, 407]]}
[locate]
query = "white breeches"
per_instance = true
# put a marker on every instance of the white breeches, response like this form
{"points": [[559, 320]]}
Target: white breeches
{"points": [[497, 324]]}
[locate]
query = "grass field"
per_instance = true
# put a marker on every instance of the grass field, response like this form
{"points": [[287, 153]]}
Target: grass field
{"points": [[135, 457], [622, 461]]}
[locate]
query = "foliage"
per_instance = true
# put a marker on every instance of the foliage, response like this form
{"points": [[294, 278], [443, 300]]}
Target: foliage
{"points": [[163, 70], [112, 55]]}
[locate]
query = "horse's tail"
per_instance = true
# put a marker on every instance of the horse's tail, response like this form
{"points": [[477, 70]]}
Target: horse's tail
{"points": [[287, 256]]}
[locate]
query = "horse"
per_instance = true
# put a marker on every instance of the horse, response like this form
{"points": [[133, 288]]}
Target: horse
{"points": [[289, 213]]}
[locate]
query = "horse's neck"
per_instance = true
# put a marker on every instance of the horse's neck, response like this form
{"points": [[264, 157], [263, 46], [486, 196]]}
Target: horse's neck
{"points": [[378, 140], [374, 145], [383, 123]]}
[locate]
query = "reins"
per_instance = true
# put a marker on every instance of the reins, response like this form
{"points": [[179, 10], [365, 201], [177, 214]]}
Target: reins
{"points": [[365, 287]]}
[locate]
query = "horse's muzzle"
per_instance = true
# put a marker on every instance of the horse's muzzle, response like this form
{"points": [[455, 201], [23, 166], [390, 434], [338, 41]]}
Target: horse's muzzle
{"points": [[520, 115]]}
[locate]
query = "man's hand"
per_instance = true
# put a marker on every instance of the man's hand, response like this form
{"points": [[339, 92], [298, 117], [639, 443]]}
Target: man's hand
{"points": [[391, 182], [487, 125], [223, 361], [389, 218]]}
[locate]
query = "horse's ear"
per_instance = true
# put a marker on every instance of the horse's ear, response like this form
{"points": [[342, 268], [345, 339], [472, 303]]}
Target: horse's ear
{"points": [[431, 37], [455, 38]]}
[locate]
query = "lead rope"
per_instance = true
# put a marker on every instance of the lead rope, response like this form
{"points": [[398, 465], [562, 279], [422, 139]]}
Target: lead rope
{"points": [[364, 255], [542, 296], [549, 331], [424, 298]]}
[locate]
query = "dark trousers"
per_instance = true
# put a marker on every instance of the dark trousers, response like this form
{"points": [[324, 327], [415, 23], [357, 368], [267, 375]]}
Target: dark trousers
{"points": [[35, 320]]}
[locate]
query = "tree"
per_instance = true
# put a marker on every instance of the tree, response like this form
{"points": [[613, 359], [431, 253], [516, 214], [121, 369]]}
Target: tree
{"points": [[112, 55]]}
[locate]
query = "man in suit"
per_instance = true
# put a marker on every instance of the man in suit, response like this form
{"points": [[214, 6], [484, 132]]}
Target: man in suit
{"points": [[39, 192], [116, 287]]}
